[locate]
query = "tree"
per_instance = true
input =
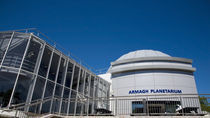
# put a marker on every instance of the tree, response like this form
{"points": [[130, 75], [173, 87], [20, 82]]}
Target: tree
{"points": [[205, 106]]}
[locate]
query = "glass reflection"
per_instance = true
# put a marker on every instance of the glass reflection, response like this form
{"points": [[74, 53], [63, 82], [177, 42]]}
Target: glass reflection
{"points": [[61, 73], [83, 83], [7, 80], [65, 100], [31, 55], [39, 88], [23, 87], [75, 79], [69, 75], [16, 50], [53, 67], [4, 41], [45, 61]]}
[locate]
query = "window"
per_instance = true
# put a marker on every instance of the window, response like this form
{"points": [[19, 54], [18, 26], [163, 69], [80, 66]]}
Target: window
{"points": [[54, 67], [45, 61], [75, 78], [31, 55], [137, 107], [16, 50], [4, 41], [69, 75], [7, 81], [61, 73]]}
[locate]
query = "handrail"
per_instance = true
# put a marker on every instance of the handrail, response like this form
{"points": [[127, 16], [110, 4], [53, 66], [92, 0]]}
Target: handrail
{"points": [[102, 104], [38, 33], [38, 101], [35, 102]]}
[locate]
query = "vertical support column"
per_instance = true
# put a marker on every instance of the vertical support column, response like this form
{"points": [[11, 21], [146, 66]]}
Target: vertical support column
{"points": [[93, 101], [88, 94], [99, 97], [182, 106], [81, 112], [147, 105], [72, 76], [46, 79], [56, 77], [78, 80], [102, 92], [108, 97], [19, 70], [116, 105], [7, 48], [105, 97], [65, 73], [97, 92], [83, 91]]}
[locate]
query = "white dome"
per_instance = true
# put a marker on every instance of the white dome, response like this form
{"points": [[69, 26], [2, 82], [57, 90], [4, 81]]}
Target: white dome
{"points": [[141, 54]]}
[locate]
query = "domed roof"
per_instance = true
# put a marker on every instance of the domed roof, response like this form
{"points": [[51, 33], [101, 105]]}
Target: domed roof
{"points": [[142, 54]]}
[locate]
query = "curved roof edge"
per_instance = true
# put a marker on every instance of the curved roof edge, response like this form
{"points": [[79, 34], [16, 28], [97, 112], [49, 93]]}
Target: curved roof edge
{"points": [[152, 67], [175, 59]]}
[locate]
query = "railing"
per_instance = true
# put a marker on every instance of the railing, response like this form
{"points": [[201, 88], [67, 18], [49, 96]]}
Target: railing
{"points": [[14, 60], [42, 36], [142, 105], [158, 105]]}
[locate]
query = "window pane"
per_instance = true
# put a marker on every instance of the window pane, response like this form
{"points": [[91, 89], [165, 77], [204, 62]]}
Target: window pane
{"points": [[45, 61], [31, 55], [65, 101], [16, 50], [4, 40], [23, 87], [86, 84], [79, 108], [46, 107], [49, 89], [56, 106], [81, 82], [56, 102], [64, 107], [54, 67], [7, 81], [75, 78], [61, 73], [58, 90], [72, 102], [92, 86], [38, 89], [48, 93], [69, 75], [96, 87]]}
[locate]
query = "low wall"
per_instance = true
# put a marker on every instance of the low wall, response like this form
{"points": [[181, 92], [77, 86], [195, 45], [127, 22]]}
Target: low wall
{"points": [[207, 116]]}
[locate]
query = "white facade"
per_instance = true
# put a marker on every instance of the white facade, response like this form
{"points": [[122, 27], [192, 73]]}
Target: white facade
{"points": [[152, 72], [148, 72]]}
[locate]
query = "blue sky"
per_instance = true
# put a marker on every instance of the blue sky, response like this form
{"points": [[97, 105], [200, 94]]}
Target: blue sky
{"points": [[99, 32]]}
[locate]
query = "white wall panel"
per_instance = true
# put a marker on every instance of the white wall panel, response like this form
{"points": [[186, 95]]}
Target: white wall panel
{"points": [[144, 79]]}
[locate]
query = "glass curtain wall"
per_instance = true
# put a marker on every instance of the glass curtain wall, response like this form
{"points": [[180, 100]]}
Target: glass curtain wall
{"points": [[31, 70], [13, 47]]}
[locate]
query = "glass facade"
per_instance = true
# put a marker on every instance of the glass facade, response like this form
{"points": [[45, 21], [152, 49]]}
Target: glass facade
{"points": [[32, 70]]}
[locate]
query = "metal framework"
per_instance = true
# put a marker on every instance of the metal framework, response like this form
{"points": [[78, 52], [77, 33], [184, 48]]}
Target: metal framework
{"points": [[35, 77]]}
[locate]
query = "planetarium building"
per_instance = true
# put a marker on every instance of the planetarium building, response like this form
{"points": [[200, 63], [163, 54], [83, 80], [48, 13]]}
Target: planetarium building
{"points": [[37, 76], [146, 73]]}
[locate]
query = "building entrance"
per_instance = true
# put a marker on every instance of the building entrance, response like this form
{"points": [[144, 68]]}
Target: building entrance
{"points": [[156, 108]]}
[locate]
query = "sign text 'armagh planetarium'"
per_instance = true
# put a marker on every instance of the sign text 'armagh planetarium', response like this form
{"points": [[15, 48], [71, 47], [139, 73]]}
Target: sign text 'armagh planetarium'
{"points": [[154, 91]]}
